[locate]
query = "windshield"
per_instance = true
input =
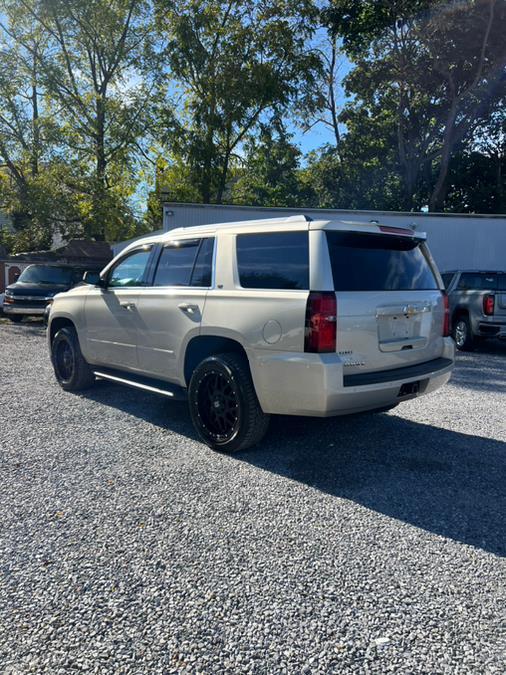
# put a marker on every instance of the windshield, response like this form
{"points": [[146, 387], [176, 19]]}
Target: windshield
{"points": [[377, 262], [44, 274]]}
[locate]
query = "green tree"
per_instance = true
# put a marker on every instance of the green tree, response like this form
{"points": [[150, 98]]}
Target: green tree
{"points": [[437, 68], [94, 82], [234, 64], [27, 133], [269, 175]]}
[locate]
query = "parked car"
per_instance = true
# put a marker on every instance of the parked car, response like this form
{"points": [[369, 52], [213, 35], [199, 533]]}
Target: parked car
{"points": [[36, 286], [477, 306], [282, 316]]}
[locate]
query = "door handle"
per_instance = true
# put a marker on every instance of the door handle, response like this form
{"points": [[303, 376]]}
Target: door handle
{"points": [[189, 309], [128, 305]]}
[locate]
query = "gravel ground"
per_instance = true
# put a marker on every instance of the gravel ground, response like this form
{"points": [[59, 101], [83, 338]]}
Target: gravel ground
{"points": [[366, 544]]}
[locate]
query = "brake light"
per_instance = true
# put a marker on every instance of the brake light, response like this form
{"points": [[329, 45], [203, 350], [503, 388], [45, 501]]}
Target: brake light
{"points": [[321, 322], [446, 321], [387, 229], [488, 305]]}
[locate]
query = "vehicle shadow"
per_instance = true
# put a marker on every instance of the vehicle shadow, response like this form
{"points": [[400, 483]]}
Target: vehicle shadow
{"points": [[483, 369], [445, 482]]}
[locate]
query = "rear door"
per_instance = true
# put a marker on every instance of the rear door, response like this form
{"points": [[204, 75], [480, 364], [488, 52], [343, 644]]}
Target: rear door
{"points": [[389, 304], [171, 308]]}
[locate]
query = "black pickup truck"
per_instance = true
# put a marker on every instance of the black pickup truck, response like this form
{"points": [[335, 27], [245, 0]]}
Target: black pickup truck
{"points": [[36, 286]]}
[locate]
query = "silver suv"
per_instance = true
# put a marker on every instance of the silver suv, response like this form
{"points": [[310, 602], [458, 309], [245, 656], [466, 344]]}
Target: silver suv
{"points": [[477, 306], [284, 316]]}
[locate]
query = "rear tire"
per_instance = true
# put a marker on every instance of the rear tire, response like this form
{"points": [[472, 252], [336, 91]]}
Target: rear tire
{"points": [[15, 318], [72, 371], [223, 404], [463, 334]]}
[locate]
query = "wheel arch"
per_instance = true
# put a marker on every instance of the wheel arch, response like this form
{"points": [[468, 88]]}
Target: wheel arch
{"points": [[56, 324], [459, 312], [202, 346]]}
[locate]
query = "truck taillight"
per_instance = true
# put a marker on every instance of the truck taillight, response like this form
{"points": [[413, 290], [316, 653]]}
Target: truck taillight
{"points": [[446, 321], [321, 322], [488, 305]]}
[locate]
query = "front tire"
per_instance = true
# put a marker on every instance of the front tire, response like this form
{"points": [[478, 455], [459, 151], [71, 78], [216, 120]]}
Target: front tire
{"points": [[72, 372], [223, 404], [463, 334]]}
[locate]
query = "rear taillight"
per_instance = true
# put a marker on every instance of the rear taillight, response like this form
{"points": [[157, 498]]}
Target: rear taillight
{"points": [[446, 321], [321, 322], [488, 305]]}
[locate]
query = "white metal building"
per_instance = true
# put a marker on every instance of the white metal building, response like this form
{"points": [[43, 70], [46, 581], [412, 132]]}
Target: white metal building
{"points": [[456, 241]]}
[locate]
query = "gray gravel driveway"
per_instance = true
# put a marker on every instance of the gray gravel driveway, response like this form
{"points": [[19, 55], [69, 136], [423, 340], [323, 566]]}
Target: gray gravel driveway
{"points": [[368, 544]]}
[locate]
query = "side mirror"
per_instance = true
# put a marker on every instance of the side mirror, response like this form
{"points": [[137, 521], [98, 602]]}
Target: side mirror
{"points": [[92, 278]]}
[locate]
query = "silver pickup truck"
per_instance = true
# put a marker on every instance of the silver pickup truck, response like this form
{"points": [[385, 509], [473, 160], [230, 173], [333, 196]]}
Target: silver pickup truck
{"points": [[477, 306]]}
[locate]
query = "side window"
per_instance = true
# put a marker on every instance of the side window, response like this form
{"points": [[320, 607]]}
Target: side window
{"points": [[273, 260], [203, 270], [176, 263], [130, 270]]}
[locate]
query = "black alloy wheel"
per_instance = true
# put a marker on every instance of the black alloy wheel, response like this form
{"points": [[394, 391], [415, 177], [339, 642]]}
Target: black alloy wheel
{"points": [[218, 404], [223, 403], [70, 368]]}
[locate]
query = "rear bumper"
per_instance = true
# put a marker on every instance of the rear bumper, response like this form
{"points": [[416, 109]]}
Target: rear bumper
{"points": [[492, 329], [315, 384]]}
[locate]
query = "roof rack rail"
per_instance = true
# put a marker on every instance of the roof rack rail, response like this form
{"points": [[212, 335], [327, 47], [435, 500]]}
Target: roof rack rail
{"points": [[298, 218]]}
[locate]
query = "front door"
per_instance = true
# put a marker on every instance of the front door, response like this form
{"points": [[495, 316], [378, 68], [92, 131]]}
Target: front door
{"points": [[111, 313], [172, 307]]}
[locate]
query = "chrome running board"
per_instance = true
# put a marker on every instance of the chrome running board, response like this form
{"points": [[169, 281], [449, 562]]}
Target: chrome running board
{"points": [[145, 383]]}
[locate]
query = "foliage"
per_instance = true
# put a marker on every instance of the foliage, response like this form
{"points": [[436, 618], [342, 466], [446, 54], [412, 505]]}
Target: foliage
{"points": [[234, 63], [436, 68], [195, 97], [269, 176]]}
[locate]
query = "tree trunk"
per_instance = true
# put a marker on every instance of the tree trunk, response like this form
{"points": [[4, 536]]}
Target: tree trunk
{"points": [[206, 182], [437, 198], [35, 121], [100, 172], [333, 106]]}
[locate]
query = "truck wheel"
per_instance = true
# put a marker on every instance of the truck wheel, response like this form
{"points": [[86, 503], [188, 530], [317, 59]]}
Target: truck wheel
{"points": [[16, 318], [463, 334], [72, 371], [223, 404]]}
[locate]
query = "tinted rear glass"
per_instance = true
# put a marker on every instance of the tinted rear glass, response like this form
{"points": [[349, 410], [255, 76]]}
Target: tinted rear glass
{"points": [[480, 281], [377, 262], [273, 260]]}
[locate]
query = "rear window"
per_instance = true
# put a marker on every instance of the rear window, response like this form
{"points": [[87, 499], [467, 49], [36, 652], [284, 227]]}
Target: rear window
{"points": [[377, 262], [480, 281], [273, 260]]}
